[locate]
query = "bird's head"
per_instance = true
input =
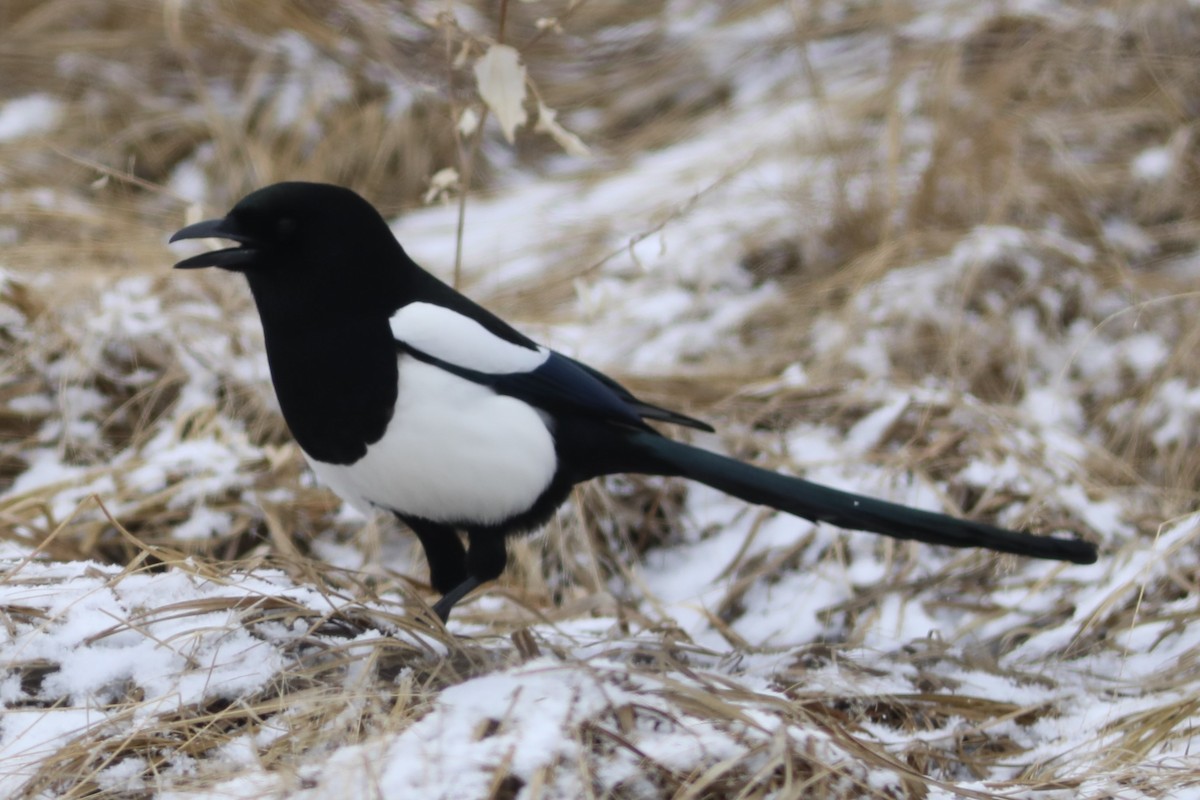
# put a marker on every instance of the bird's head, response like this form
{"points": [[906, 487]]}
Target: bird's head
{"points": [[288, 229]]}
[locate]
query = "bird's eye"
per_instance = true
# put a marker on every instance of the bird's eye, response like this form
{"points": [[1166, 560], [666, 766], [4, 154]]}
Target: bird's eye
{"points": [[285, 228]]}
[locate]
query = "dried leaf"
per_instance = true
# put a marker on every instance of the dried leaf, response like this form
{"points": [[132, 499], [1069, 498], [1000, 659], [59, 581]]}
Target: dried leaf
{"points": [[566, 140], [443, 182], [468, 121], [501, 81]]}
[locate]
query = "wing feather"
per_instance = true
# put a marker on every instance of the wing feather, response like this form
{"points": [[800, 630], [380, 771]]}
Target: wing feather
{"points": [[550, 381]]}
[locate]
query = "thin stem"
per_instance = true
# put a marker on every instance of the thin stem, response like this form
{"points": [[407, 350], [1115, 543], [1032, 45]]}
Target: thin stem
{"points": [[466, 164]]}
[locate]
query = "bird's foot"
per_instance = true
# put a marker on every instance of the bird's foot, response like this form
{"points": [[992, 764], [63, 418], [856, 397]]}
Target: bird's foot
{"points": [[449, 599]]}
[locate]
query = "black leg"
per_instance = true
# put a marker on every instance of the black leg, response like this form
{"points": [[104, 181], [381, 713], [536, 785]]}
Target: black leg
{"points": [[485, 561], [442, 607], [443, 550], [487, 556]]}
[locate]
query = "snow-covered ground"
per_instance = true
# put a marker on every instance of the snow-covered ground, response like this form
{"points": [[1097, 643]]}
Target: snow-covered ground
{"points": [[1021, 366]]}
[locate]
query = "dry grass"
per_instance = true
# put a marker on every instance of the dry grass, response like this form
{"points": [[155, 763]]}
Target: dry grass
{"points": [[1028, 123]]}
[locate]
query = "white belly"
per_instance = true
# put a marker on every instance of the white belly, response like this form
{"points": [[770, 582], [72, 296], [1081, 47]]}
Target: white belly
{"points": [[454, 452]]}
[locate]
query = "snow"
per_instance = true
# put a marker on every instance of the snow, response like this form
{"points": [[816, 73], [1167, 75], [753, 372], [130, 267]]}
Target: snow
{"points": [[1153, 164], [107, 633], [188, 180], [27, 738], [28, 116], [869, 432]]}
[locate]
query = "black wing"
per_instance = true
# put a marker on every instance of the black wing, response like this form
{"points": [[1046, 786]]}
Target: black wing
{"points": [[562, 385], [641, 408]]}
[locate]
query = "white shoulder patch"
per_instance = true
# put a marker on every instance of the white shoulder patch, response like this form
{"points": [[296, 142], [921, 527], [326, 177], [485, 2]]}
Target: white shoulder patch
{"points": [[449, 336]]}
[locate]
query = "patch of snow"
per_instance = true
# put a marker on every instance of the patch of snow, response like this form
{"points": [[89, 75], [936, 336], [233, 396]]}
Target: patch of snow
{"points": [[1153, 164], [203, 523], [29, 116]]}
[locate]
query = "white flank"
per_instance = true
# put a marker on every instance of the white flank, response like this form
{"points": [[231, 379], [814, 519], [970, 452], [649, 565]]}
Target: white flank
{"points": [[455, 451], [455, 339]]}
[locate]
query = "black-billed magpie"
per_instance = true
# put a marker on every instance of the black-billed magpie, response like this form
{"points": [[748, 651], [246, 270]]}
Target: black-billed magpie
{"points": [[406, 396]]}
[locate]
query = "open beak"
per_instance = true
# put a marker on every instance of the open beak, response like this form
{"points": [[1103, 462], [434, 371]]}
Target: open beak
{"points": [[231, 258]]}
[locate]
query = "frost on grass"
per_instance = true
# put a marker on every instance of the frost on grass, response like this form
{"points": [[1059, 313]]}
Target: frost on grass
{"points": [[95, 654], [120, 403]]}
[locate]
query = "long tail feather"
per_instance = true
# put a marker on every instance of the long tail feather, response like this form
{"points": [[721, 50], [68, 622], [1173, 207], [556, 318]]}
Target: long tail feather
{"points": [[821, 504]]}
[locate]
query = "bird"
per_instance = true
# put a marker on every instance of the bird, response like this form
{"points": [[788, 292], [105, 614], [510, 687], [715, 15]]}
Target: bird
{"points": [[406, 396]]}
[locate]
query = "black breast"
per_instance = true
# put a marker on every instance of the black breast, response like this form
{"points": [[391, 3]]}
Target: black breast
{"points": [[336, 385]]}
